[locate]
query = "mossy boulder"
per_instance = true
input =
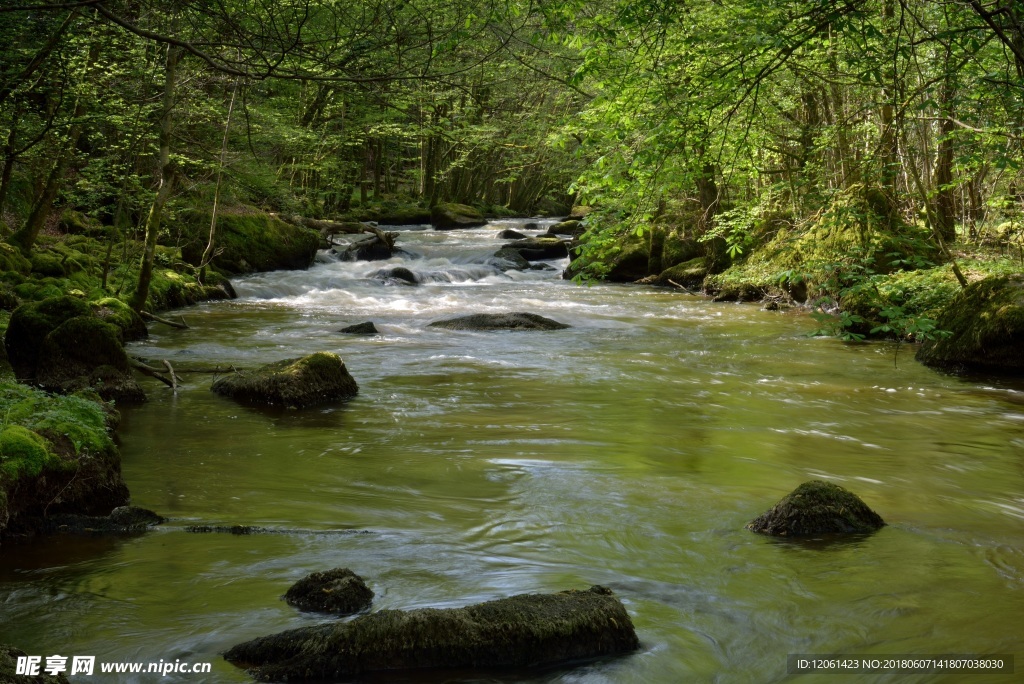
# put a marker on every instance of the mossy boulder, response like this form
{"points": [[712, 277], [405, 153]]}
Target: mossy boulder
{"points": [[250, 240], [448, 216], [689, 274], [986, 326], [46, 264], [86, 353], [9, 667], [339, 591], [56, 458], [115, 312], [31, 323], [291, 383], [76, 223], [817, 508], [528, 630], [500, 321], [12, 260]]}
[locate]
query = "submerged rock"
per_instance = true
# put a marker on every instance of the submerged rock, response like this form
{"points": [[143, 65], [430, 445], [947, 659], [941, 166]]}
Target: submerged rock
{"points": [[500, 321], [446, 216], [817, 507], [292, 383], [528, 630], [122, 520], [986, 322], [367, 328], [339, 591]]}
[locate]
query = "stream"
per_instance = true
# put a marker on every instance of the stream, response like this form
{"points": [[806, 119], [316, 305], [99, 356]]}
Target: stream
{"points": [[629, 450]]}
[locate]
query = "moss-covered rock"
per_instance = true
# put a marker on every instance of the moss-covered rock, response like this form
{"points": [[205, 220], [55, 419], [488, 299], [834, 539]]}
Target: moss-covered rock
{"points": [[528, 630], [46, 264], [447, 216], [249, 240], [339, 591], [76, 223], [292, 383], [115, 312], [56, 458], [86, 353], [31, 323], [500, 321], [509, 234], [986, 326], [12, 260], [9, 667], [689, 274], [815, 508], [22, 452]]}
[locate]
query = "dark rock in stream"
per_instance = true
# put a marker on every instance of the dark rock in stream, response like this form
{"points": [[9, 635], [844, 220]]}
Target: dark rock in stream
{"points": [[367, 328], [398, 275], [511, 260], [338, 591], [528, 630], [447, 216], [9, 667], [573, 227], [817, 507], [535, 249], [500, 321], [371, 249], [122, 520], [292, 383], [509, 234]]}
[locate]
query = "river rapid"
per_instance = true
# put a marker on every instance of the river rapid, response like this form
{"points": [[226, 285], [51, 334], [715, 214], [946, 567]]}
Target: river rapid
{"points": [[629, 451]]}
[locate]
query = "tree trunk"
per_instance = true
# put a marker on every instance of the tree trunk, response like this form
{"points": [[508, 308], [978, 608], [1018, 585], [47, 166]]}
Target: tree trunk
{"points": [[138, 300], [945, 202]]}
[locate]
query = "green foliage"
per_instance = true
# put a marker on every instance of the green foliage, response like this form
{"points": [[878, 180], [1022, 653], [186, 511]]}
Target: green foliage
{"points": [[22, 452]]}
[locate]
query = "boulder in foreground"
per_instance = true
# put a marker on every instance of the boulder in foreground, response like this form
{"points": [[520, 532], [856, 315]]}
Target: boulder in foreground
{"points": [[499, 321], [817, 507], [292, 383], [986, 322], [338, 591], [527, 630], [9, 667]]}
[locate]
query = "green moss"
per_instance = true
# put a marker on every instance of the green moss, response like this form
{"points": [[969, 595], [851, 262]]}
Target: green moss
{"points": [[47, 265], [817, 507], [80, 420], [115, 312], [22, 452], [293, 383], [11, 259], [250, 240], [986, 328]]}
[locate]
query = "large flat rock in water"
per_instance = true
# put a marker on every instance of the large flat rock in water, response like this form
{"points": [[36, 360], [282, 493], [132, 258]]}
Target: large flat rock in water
{"points": [[292, 383], [527, 630], [502, 321]]}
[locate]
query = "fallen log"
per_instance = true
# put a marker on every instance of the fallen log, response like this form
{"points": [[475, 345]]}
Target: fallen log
{"points": [[527, 630], [150, 317]]}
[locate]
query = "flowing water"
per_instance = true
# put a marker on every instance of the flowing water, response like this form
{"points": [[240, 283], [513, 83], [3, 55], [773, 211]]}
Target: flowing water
{"points": [[628, 451]]}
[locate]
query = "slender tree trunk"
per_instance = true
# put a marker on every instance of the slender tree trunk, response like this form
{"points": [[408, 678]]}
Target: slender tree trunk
{"points": [[945, 202], [208, 252], [138, 299]]}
